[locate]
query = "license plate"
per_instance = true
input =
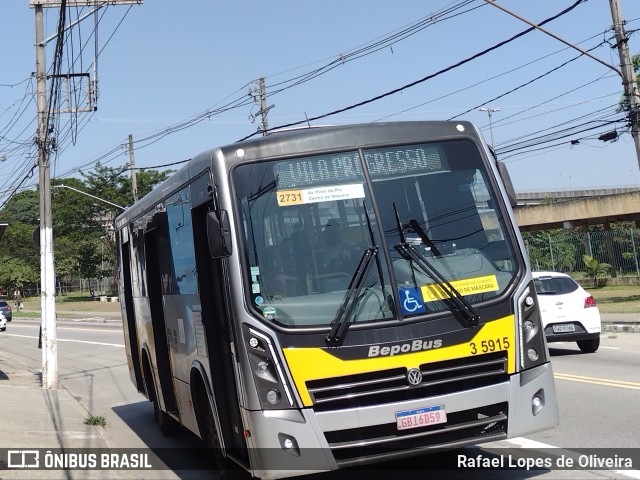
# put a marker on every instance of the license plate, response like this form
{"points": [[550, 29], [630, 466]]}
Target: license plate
{"points": [[562, 328], [420, 417]]}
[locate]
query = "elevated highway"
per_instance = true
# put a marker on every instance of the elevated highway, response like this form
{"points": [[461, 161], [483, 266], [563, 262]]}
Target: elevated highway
{"points": [[568, 209]]}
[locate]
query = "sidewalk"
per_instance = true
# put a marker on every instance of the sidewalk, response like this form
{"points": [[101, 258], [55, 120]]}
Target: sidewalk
{"points": [[34, 421]]}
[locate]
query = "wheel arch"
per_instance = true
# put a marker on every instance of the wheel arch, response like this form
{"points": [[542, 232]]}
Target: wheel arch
{"points": [[202, 398]]}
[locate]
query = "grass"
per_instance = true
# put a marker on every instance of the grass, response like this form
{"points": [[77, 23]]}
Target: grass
{"points": [[617, 299], [97, 420], [64, 303], [610, 299]]}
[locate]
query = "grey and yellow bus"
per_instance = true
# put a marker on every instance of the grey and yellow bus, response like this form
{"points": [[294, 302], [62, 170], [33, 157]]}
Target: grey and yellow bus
{"points": [[326, 297]]}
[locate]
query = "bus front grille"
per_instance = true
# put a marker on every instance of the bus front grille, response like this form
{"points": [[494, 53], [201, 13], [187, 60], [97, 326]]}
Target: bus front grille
{"points": [[364, 444], [387, 386]]}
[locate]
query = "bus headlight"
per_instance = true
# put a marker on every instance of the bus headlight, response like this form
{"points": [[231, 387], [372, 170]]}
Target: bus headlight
{"points": [[273, 396], [268, 372], [533, 348]]}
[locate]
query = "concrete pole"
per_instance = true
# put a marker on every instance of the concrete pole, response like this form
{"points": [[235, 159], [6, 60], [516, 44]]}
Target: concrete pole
{"points": [[263, 107], [47, 274], [132, 164], [628, 74]]}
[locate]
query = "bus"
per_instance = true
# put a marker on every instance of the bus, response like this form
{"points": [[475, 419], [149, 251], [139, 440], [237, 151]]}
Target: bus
{"points": [[328, 297]]}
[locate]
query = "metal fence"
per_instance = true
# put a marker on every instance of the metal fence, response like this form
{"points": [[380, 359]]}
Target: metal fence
{"points": [[563, 250]]}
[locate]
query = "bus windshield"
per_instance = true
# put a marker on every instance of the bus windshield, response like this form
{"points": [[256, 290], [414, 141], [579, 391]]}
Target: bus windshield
{"points": [[310, 225]]}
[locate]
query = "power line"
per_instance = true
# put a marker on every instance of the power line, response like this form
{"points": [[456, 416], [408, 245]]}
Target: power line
{"points": [[424, 79], [522, 85]]}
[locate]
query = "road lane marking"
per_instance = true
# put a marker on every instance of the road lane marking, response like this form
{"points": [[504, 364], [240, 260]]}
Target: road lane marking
{"points": [[528, 443], [610, 348], [69, 340], [598, 381]]}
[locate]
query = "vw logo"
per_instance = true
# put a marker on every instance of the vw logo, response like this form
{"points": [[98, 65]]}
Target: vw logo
{"points": [[414, 376]]}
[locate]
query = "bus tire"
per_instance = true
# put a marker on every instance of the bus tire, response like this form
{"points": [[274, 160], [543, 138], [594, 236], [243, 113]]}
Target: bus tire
{"points": [[210, 437], [168, 426]]}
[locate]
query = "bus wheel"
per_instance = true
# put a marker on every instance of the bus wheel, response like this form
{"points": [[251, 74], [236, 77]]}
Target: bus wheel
{"points": [[168, 426], [210, 437]]}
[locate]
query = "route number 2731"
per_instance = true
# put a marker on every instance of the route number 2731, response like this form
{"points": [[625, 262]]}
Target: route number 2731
{"points": [[492, 345]]}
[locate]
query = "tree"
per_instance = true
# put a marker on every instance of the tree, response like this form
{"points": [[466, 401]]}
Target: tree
{"points": [[18, 243], [23, 207], [550, 250], [596, 270], [82, 225], [88, 261], [17, 274], [111, 184]]}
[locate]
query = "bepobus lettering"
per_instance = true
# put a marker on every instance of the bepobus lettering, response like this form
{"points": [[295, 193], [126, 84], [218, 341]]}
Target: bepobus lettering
{"points": [[415, 346]]}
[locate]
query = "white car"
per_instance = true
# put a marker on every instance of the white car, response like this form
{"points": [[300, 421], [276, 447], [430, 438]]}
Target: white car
{"points": [[3, 322], [569, 312]]}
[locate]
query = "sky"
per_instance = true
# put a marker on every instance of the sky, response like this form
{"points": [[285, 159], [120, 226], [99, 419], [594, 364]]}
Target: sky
{"points": [[167, 70]]}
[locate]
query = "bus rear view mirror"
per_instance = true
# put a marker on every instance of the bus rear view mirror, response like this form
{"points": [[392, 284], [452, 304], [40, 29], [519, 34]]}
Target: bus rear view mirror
{"points": [[219, 234], [508, 185]]}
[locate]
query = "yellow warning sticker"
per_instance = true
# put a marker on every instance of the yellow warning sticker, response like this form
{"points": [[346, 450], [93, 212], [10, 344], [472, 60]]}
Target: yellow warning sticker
{"points": [[468, 286]]}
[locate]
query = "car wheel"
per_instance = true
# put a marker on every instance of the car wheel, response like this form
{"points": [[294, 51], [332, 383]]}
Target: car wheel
{"points": [[589, 346]]}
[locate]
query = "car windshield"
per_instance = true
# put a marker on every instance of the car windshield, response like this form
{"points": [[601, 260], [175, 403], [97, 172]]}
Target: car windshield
{"points": [[554, 285], [309, 222]]}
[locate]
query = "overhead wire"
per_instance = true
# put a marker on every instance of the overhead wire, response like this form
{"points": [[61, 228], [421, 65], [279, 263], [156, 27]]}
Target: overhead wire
{"points": [[376, 45], [566, 132], [423, 79], [564, 123], [522, 85], [242, 101]]}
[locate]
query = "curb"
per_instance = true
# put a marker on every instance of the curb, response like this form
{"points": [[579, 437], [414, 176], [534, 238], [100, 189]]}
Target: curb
{"points": [[621, 328]]}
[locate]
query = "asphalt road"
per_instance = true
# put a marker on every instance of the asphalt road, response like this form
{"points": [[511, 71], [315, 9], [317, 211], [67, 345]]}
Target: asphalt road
{"points": [[597, 395]]}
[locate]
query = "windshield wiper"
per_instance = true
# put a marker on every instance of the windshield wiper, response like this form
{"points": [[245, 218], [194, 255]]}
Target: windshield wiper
{"points": [[341, 323], [459, 306]]}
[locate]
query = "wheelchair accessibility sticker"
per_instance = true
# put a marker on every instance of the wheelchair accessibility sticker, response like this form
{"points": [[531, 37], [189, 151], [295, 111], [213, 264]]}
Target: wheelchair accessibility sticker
{"points": [[411, 300]]}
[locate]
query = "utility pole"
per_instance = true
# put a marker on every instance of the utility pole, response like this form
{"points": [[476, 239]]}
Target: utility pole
{"points": [[132, 164], [262, 95], [263, 107], [628, 74], [47, 272]]}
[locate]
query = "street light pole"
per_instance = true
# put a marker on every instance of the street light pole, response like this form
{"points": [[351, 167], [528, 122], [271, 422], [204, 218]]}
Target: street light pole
{"points": [[490, 111], [61, 185]]}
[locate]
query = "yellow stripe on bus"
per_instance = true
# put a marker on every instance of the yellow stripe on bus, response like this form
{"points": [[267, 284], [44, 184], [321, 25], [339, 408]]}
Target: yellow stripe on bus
{"points": [[308, 364]]}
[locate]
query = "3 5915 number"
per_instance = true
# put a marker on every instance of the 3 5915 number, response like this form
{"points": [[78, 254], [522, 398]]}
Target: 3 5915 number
{"points": [[492, 345]]}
